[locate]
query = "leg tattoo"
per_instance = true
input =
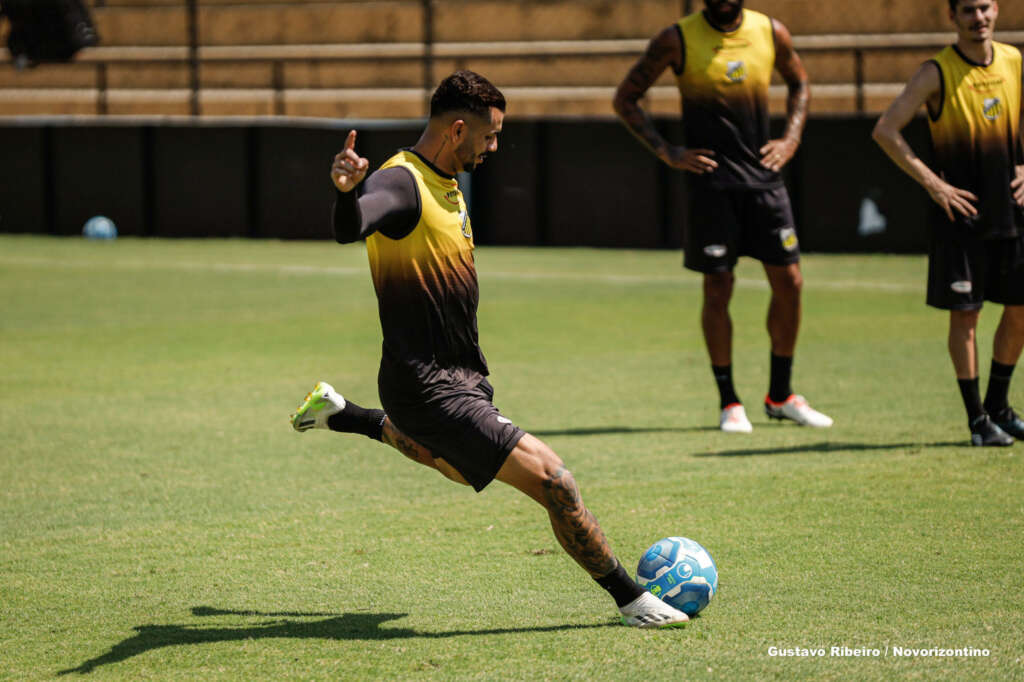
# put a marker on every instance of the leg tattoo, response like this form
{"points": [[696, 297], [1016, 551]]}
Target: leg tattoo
{"points": [[407, 446], [575, 527]]}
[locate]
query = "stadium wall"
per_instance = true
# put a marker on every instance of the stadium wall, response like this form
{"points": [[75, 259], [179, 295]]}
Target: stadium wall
{"points": [[553, 182]]}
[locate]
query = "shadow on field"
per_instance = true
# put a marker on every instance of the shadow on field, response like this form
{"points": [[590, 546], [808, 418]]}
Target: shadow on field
{"points": [[610, 430], [345, 626], [827, 446]]}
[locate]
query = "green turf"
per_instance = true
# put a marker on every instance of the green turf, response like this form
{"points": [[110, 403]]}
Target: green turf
{"points": [[160, 519]]}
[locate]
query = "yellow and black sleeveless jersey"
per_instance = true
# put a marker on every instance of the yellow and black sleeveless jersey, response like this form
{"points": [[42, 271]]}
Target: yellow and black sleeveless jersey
{"points": [[975, 133], [426, 284], [724, 86]]}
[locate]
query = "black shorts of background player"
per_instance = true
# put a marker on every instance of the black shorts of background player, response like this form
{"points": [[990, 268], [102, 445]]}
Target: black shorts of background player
{"points": [[972, 91], [723, 59], [432, 378]]}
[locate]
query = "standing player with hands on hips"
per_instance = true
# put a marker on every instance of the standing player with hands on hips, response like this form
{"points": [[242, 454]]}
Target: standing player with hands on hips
{"points": [[972, 92], [432, 381], [723, 58]]}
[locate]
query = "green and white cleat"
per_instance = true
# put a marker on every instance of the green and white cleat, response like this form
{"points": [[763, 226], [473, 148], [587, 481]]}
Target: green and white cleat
{"points": [[647, 611], [322, 403]]}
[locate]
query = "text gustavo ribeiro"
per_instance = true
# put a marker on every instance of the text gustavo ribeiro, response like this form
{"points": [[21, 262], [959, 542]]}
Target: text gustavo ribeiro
{"points": [[871, 652]]}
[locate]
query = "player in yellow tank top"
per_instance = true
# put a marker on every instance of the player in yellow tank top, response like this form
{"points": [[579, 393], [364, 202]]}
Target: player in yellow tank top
{"points": [[972, 92], [723, 59], [432, 379]]}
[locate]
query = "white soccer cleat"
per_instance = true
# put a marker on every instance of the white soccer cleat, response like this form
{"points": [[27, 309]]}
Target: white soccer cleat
{"points": [[734, 419], [647, 611], [795, 408], [321, 403]]}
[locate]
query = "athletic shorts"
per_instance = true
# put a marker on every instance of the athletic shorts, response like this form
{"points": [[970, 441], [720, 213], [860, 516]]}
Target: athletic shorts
{"points": [[725, 224], [457, 423], [964, 270]]}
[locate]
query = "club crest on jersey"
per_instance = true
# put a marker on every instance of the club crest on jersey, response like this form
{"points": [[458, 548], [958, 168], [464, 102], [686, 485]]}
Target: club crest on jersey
{"points": [[452, 197], [467, 229], [992, 108], [736, 71], [787, 236]]}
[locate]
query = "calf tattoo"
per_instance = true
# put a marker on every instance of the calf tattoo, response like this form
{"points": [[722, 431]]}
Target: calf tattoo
{"points": [[575, 527]]}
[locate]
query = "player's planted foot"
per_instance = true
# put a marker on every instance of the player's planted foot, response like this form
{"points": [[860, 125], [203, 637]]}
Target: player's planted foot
{"points": [[985, 433], [647, 611], [734, 419], [322, 402], [1008, 421], [795, 408]]}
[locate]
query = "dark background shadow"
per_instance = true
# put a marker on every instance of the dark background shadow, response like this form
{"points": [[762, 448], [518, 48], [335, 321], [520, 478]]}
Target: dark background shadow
{"points": [[828, 446], [345, 626], [612, 430]]}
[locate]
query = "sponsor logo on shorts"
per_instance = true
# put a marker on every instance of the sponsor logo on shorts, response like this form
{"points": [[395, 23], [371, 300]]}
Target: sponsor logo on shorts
{"points": [[503, 420], [992, 108], [787, 236], [961, 287], [715, 250]]}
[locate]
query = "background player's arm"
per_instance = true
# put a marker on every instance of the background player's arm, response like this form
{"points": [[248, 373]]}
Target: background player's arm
{"points": [[777, 153], [924, 88], [664, 50]]}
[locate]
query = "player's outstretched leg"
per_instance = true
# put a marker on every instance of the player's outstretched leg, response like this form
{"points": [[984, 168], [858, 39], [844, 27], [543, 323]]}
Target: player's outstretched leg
{"points": [[325, 408], [533, 468]]}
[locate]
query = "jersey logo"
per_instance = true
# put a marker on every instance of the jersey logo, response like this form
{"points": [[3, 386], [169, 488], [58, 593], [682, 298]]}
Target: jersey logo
{"points": [[736, 71], [787, 236], [467, 231], [452, 197], [992, 108]]}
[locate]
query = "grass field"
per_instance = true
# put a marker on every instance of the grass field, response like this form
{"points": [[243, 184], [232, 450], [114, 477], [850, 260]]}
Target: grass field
{"points": [[160, 519]]}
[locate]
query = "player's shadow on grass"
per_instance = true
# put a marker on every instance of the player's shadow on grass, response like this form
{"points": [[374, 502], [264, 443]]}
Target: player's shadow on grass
{"points": [[612, 430], [345, 626], [827, 446]]}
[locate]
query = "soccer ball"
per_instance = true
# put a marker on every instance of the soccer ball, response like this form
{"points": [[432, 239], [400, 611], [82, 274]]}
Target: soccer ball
{"points": [[680, 572]]}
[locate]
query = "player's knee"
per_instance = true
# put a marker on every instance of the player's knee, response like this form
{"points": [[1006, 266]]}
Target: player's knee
{"points": [[560, 489], [718, 289]]}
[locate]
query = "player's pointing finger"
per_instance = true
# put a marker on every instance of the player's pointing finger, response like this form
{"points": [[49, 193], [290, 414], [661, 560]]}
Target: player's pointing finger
{"points": [[350, 142]]}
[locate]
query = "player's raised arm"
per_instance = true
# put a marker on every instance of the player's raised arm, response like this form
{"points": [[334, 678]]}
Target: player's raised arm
{"points": [[663, 51], [924, 88], [349, 168], [777, 153]]}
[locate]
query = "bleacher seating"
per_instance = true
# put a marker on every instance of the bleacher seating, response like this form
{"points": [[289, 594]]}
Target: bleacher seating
{"points": [[363, 58]]}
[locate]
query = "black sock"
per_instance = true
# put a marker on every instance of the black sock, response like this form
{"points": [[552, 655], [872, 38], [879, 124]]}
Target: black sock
{"points": [[618, 583], [356, 419], [726, 391], [972, 398], [781, 373], [996, 399]]}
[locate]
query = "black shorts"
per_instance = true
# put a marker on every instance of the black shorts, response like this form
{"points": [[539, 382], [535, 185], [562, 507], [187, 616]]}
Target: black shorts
{"points": [[457, 423], [964, 270], [725, 224]]}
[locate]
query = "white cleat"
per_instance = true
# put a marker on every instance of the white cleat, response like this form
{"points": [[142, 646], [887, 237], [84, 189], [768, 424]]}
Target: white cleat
{"points": [[795, 408], [647, 611], [734, 419], [321, 403]]}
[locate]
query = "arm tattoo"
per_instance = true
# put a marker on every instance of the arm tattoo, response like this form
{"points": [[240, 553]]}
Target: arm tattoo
{"points": [[575, 527], [659, 55]]}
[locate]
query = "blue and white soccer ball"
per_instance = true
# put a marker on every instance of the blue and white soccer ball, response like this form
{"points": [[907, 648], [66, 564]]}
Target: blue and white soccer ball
{"points": [[99, 227], [680, 572]]}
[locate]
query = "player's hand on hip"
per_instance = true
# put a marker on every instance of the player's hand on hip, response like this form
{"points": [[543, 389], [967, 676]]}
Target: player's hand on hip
{"points": [[699, 161], [349, 168], [777, 153], [953, 200], [1017, 185]]}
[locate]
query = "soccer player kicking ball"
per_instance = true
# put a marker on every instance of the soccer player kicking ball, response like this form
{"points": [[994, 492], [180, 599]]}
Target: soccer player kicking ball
{"points": [[723, 60], [972, 91], [432, 379]]}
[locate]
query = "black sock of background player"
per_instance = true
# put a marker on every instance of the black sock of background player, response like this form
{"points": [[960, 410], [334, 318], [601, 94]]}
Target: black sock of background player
{"points": [[996, 400], [356, 419], [972, 398], [781, 372], [622, 588], [726, 391]]}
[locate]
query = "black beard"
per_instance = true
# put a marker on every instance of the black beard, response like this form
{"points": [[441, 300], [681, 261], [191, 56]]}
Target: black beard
{"points": [[724, 16]]}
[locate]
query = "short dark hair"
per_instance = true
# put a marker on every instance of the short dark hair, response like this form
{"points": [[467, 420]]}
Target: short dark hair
{"points": [[466, 91], [953, 4]]}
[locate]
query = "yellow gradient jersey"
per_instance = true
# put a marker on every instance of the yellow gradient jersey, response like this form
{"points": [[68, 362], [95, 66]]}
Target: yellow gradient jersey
{"points": [[724, 87], [975, 133], [426, 285]]}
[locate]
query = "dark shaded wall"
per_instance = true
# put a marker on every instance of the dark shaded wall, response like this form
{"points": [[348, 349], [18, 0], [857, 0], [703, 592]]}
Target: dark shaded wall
{"points": [[563, 183]]}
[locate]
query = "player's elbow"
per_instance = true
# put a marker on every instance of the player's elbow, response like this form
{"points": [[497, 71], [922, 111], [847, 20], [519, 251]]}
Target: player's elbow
{"points": [[881, 133], [623, 104]]}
